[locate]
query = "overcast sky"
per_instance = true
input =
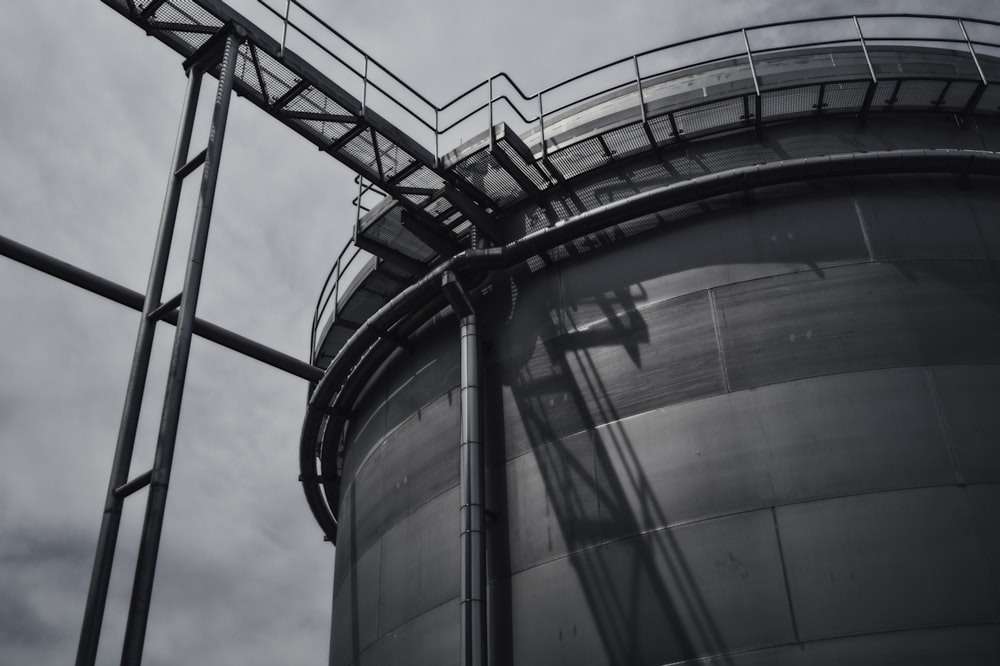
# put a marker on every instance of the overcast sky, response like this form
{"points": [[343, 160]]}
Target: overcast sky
{"points": [[88, 109]]}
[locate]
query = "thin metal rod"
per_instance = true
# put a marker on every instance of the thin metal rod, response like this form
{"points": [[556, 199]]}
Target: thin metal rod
{"points": [[864, 47], [753, 70], [134, 300], [472, 510], [489, 88], [972, 50], [364, 90], [93, 615], [541, 124], [284, 27], [638, 85], [142, 587]]}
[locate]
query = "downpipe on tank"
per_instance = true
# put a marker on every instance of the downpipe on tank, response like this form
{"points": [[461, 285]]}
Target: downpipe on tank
{"points": [[472, 513]]}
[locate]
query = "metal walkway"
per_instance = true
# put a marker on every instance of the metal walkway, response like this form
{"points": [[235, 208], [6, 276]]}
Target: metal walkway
{"points": [[529, 144]]}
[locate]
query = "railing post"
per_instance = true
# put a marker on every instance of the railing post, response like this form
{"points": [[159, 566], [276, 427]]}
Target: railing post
{"points": [[541, 125], [756, 85], [638, 84], [284, 28], [972, 51], [864, 48], [489, 87], [870, 94], [981, 88], [364, 89]]}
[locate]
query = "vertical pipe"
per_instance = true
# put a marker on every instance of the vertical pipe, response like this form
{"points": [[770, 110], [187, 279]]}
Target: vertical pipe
{"points": [[142, 587], [93, 615], [472, 512]]}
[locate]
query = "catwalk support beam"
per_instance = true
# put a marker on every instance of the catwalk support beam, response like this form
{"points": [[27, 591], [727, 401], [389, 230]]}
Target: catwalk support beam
{"points": [[108, 536], [142, 587]]}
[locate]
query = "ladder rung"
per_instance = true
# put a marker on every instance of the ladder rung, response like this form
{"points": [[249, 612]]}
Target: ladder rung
{"points": [[193, 164]]}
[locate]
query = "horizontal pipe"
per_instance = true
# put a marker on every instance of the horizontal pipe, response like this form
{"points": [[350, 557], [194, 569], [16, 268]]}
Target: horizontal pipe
{"points": [[357, 357], [134, 300]]}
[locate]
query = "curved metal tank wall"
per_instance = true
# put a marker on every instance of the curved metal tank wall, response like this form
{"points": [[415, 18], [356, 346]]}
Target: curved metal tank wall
{"points": [[763, 429]]}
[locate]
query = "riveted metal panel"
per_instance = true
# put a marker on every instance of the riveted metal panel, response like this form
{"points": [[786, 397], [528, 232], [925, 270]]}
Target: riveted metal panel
{"points": [[884, 561], [420, 563], [660, 597], [915, 217], [809, 226], [431, 638], [984, 503], [368, 511], [849, 433], [591, 375], [937, 646], [552, 501], [355, 608], [782, 443], [422, 374], [366, 429], [857, 317], [969, 398], [420, 458]]}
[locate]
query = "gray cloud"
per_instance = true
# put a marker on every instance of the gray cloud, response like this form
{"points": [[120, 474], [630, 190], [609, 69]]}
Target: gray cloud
{"points": [[90, 107]]}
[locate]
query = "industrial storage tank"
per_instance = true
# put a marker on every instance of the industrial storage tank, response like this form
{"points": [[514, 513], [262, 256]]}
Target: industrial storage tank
{"points": [[737, 367]]}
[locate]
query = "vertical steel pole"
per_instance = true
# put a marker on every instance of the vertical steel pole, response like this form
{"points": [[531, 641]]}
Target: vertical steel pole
{"points": [[93, 615], [472, 492], [142, 587]]}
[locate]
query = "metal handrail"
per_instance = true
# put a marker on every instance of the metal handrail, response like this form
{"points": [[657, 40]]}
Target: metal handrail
{"points": [[512, 103], [431, 119]]}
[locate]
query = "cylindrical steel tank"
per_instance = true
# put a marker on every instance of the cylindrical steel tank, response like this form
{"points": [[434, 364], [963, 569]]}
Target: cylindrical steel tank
{"points": [[761, 427]]}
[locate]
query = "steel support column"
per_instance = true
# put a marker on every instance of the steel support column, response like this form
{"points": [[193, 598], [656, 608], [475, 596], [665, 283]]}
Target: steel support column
{"points": [[472, 512], [142, 587], [107, 539]]}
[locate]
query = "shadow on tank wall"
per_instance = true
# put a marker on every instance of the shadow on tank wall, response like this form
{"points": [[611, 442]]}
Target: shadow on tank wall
{"points": [[746, 331]]}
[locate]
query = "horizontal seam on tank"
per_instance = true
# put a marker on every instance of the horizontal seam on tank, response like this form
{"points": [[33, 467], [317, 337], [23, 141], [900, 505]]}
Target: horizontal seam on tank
{"points": [[807, 269], [831, 639], [381, 440], [713, 396], [414, 508], [409, 620], [765, 507]]}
